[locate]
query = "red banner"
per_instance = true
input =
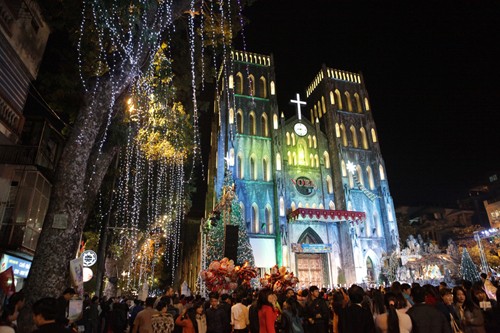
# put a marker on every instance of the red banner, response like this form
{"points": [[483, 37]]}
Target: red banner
{"points": [[7, 281]]}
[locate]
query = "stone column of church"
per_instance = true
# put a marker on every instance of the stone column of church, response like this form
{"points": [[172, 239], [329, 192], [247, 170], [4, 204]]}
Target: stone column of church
{"points": [[334, 148]]}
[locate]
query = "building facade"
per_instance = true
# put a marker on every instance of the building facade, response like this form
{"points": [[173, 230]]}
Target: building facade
{"points": [[313, 189], [29, 145]]}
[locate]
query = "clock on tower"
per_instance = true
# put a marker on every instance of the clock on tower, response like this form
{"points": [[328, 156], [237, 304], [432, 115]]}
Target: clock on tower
{"points": [[300, 129]]}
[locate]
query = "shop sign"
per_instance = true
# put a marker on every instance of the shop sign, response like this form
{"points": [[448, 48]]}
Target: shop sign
{"points": [[304, 185], [311, 248], [20, 266]]}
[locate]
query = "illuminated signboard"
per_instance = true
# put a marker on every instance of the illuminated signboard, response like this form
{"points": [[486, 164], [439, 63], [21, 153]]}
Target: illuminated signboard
{"points": [[311, 248], [20, 267], [304, 185]]}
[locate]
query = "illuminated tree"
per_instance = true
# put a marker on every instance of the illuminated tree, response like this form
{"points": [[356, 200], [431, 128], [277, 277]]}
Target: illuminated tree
{"points": [[228, 212], [245, 252], [116, 44], [468, 270]]}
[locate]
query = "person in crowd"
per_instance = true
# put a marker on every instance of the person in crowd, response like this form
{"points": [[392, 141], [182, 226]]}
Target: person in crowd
{"points": [[406, 290], [185, 321], [267, 314], [340, 300], [445, 305], [118, 316], [317, 311], [431, 294], [378, 306], [93, 316], [6, 325], [290, 320], [197, 315], [168, 297], [226, 305], [354, 318], [473, 315], [10, 312], [162, 321], [425, 317], [239, 316], [489, 288], [217, 319], [136, 308], [395, 320], [63, 305], [459, 298], [16, 303], [142, 322], [46, 315], [253, 315]]}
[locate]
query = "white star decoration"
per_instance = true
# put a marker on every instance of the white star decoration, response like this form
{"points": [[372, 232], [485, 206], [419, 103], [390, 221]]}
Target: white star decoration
{"points": [[351, 167]]}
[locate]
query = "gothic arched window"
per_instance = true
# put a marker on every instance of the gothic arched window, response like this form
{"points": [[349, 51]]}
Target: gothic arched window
{"points": [[255, 218], [262, 87]]}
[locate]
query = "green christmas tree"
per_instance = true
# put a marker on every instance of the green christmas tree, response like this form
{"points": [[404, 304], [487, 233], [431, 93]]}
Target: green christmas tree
{"points": [[228, 211], [468, 270], [215, 238], [245, 252]]}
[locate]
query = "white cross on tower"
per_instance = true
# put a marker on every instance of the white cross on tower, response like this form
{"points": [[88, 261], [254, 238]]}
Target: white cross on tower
{"points": [[299, 103]]}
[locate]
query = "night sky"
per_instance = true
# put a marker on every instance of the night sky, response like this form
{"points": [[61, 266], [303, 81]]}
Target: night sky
{"points": [[432, 72]]}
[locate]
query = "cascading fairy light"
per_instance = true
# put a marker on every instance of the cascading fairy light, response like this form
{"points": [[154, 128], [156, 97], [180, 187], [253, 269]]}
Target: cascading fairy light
{"points": [[225, 55], [178, 216], [196, 141], [126, 63], [202, 46], [247, 67]]}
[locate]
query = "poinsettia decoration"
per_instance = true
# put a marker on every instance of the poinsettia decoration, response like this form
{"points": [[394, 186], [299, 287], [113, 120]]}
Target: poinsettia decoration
{"points": [[223, 276], [279, 279]]}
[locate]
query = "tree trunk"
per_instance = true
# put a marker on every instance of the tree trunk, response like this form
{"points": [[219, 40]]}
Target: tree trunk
{"points": [[78, 178], [71, 196]]}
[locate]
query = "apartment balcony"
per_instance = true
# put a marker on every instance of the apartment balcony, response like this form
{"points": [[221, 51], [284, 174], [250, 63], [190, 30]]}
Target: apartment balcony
{"points": [[11, 122]]}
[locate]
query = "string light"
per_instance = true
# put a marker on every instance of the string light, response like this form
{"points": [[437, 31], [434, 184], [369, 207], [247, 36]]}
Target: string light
{"points": [[134, 36]]}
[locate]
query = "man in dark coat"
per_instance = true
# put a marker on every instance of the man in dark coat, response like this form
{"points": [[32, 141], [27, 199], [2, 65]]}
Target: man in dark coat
{"points": [[354, 318], [217, 320], [426, 318], [63, 305], [45, 313], [317, 312]]}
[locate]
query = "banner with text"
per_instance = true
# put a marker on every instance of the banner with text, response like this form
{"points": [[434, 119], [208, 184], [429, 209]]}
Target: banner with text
{"points": [[311, 248]]}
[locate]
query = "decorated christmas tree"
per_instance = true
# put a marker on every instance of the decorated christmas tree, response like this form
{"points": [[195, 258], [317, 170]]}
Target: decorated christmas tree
{"points": [[215, 238], [468, 270], [245, 252], [228, 212]]}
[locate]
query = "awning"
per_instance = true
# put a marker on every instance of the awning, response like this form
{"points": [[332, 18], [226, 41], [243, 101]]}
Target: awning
{"points": [[326, 215]]}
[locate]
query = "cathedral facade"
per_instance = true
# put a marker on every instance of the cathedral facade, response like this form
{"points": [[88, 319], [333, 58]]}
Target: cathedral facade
{"points": [[312, 188]]}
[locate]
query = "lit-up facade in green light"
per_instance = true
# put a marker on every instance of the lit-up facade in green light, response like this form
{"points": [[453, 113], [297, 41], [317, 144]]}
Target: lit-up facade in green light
{"points": [[301, 164]]}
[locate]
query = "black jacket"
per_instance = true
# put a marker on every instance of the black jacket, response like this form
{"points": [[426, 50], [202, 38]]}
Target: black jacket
{"points": [[355, 319], [426, 318]]}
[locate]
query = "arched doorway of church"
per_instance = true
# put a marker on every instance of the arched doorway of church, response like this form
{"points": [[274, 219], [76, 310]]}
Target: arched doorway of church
{"points": [[311, 265], [370, 270]]}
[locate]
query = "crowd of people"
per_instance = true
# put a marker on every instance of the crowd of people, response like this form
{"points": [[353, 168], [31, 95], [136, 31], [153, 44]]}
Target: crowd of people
{"points": [[400, 308]]}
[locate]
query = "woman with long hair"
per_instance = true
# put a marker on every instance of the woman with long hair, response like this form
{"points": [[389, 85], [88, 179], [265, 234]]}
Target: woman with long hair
{"points": [[192, 320], [395, 320], [378, 306], [267, 313], [468, 311]]}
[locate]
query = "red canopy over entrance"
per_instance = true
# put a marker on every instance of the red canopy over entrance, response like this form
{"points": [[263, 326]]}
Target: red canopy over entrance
{"points": [[326, 215]]}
